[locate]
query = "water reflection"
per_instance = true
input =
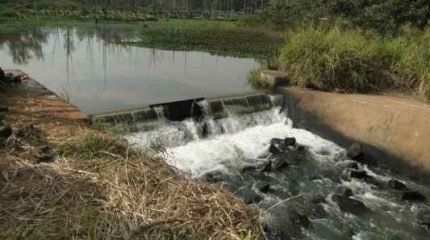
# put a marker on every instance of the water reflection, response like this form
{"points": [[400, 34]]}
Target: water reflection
{"points": [[25, 45], [85, 66]]}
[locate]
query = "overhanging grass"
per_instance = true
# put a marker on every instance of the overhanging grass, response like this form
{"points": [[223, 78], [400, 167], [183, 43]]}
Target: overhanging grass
{"points": [[356, 61]]}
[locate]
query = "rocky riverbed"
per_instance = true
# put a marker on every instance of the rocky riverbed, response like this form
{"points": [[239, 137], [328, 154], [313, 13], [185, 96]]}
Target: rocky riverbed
{"points": [[303, 186]]}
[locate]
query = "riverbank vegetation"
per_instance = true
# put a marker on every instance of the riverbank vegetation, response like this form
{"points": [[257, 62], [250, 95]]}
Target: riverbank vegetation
{"points": [[357, 61], [353, 46]]}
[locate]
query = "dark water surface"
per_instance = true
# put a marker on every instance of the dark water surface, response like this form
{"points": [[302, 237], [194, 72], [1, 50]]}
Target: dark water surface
{"points": [[84, 65]]}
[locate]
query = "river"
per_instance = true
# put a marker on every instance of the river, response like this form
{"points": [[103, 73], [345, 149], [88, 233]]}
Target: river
{"points": [[84, 65]]}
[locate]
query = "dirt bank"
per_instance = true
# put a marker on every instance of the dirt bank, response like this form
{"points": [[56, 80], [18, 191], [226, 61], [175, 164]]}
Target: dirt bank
{"points": [[396, 126]]}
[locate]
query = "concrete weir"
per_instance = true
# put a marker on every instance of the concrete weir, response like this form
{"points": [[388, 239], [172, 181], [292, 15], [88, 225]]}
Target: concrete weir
{"points": [[393, 130], [180, 110]]}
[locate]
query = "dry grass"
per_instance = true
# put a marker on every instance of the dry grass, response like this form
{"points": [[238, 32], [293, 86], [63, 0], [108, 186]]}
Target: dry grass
{"points": [[121, 194]]}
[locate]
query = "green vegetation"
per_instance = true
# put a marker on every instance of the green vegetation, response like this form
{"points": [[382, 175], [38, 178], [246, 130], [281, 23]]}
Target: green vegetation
{"points": [[355, 61], [383, 16], [49, 10], [221, 38]]}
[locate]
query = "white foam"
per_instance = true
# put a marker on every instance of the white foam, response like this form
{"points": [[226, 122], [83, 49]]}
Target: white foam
{"points": [[231, 149]]}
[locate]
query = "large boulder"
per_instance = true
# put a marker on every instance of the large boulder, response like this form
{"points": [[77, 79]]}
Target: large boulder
{"points": [[349, 205]]}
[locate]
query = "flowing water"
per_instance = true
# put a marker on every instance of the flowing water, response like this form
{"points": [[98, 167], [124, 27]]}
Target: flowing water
{"points": [[84, 65], [295, 201]]}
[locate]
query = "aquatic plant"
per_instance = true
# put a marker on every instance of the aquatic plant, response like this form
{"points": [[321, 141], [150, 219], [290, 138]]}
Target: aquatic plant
{"points": [[215, 37]]}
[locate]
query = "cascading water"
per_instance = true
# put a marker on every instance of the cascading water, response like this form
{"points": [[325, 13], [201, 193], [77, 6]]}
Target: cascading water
{"points": [[309, 190]]}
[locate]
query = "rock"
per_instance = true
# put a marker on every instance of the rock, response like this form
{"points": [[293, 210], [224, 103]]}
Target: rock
{"points": [[290, 141], [397, 185], [261, 167], [44, 154], [272, 78], [2, 74], [262, 186], [296, 219], [284, 223], [4, 108], [214, 177], [359, 174], [424, 218], [316, 209], [344, 191], [373, 181], [282, 143], [347, 192], [248, 195], [5, 131], [274, 149], [349, 205], [318, 200], [355, 151], [280, 192], [413, 196], [277, 141], [278, 164], [352, 165]]}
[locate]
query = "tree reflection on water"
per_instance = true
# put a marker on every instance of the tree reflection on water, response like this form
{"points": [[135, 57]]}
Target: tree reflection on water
{"points": [[26, 43]]}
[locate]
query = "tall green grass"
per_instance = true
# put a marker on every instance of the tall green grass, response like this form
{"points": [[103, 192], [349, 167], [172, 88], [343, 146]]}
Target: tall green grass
{"points": [[357, 61]]}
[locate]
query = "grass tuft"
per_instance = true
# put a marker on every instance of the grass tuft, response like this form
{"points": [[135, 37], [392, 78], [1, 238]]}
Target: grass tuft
{"points": [[91, 145]]}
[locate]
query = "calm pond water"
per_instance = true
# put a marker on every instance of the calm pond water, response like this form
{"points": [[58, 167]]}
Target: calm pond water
{"points": [[84, 65]]}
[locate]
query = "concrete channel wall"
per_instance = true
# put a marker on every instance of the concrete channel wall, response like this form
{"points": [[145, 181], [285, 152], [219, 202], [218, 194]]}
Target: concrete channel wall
{"points": [[394, 130]]}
